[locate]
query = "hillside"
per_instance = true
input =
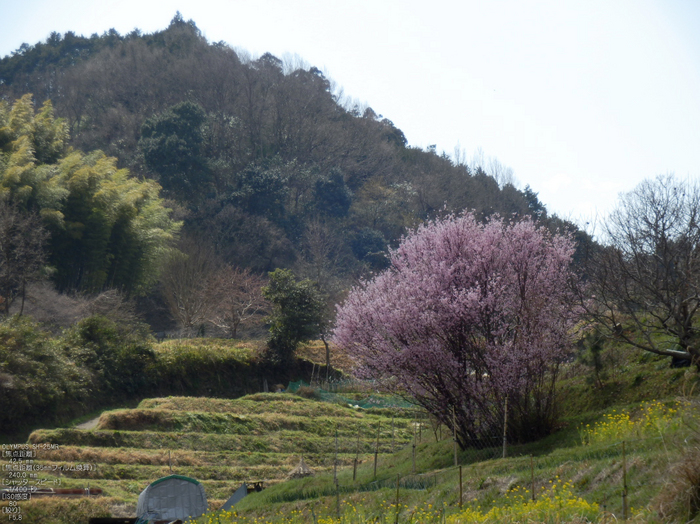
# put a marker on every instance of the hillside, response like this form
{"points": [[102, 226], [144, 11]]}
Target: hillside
{"points": [[577, 472], [263, 160]]}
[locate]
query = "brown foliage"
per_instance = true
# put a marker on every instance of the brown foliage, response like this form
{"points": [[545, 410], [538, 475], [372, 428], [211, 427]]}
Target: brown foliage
{"points": [[307, 392], [237, 295], [186, 285]]}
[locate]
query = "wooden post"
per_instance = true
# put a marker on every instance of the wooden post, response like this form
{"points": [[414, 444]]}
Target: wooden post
{"points": [[376, 450], [337, 499], [460, 487], [532, 476], [414, 450], [335, 476], [328, 356], [454, 433], [398, 478], [505, 428], [392, 433], [624, 483], [170, 463], [605, 504], [357, 456], [335, 459]]}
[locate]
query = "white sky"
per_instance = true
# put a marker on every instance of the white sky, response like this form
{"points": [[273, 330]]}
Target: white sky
{"points": [[583, 99]]}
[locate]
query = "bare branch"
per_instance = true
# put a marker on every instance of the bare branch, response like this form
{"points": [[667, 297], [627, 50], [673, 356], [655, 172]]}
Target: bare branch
{"points": [[649, 274], [237, 297]]}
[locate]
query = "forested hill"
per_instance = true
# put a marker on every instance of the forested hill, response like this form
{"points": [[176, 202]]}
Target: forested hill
{"points": [[260, 158]]}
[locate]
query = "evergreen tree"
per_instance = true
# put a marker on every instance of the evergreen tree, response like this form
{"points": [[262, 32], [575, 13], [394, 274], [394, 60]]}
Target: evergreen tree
{"points": [[296, 315], [171, 143]]}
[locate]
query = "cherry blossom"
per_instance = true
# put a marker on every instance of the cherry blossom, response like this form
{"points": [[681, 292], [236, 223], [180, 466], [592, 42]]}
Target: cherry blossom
{"points": [[467, 315]]}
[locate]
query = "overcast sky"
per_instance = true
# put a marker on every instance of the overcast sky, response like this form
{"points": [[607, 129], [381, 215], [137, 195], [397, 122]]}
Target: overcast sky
{"points": [[582, 99]]}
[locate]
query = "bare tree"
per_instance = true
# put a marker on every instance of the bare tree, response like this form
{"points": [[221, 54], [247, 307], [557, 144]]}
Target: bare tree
{"points": [[323, 254], [478, 159], [645, 284], [501, 173], [459, 157], [237, 295], [186, 284], [114, 305], [22, 255]]}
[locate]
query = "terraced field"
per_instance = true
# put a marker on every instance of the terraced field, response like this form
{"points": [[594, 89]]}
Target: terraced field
{"points": [[220, 442]]}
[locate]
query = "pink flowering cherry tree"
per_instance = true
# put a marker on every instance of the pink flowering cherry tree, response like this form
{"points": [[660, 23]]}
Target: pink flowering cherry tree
{"points": [[469, 314]]}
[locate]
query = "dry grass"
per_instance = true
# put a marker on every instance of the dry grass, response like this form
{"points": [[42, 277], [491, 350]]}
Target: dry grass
{"points": [[130, 456], [679, 500], [129, 419], [308, 392], [316, 352], [246, 347], [104, 457]]}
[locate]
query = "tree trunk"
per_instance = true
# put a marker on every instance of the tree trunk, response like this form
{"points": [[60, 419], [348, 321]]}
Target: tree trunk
{"points": [[328, 357], [24, 294]]}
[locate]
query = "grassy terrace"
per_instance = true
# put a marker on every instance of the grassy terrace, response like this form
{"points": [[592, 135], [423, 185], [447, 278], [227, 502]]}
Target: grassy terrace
{"points": [[221, 442], [578, 473]]}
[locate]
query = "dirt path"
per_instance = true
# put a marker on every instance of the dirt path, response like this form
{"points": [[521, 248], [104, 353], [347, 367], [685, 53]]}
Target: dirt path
{"points": [[90, 424]]}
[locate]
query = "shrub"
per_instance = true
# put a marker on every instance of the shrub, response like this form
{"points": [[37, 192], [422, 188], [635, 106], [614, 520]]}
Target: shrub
{"points": [[297, 311], [37, 381], [117, 356], [208, 367]]}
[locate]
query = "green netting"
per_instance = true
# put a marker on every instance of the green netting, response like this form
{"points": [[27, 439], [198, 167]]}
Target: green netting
{"points": [[368, 402], [293, 387]]}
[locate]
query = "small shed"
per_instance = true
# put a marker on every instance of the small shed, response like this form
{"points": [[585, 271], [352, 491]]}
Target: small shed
{"points": [[170, 498]]}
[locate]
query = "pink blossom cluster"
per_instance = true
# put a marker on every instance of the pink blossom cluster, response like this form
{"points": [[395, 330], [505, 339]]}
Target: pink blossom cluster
{"points": [[467, 315]]}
